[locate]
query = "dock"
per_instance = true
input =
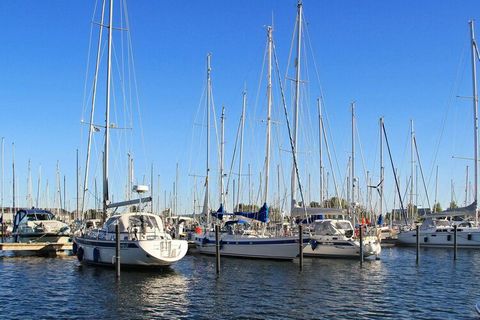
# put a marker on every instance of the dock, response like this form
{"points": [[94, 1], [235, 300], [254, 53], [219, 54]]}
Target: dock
{"points": [[37, 247]]}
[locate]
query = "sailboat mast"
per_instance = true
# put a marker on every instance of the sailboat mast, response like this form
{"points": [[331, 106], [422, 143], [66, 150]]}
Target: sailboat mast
{"points": [[13, 176], [92, 112], [39, 183], [222, 155], [466, 188], [78, 189], [436, 190], [353, 159], [29, 185], [239, 186], [475, 117], [382, 168], [3, 176], [209, 84], [269, 110], [297, 101], [107, 115], [320, 144], [412, 169]]}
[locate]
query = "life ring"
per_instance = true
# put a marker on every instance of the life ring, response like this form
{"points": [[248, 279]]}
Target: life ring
{"points": [[80, 254], [96, 254]]}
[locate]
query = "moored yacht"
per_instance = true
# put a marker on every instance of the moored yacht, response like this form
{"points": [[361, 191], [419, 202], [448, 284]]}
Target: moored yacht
{"points": [[37, 225], [239, 239], [332, 238], [143, 241], [440, 233]]}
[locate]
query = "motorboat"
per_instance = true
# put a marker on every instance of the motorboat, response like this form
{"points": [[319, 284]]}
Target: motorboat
{"points": [[332, 238], [38, 225], [440, 233]]}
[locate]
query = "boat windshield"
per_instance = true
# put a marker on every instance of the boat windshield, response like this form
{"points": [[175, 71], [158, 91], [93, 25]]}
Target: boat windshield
{"points": [[343, 225], [39, 216], [325, 228], [442, 223], [147, 223]]}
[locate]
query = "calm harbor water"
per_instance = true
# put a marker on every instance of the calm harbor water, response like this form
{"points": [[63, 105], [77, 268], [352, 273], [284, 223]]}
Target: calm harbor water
{"points": [[393, 287]]}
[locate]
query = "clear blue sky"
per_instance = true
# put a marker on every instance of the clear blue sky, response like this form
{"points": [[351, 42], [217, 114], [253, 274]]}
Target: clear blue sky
{"points": [[400, 59]]}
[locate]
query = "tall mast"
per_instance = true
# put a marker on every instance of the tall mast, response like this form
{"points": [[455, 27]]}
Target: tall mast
{"points": [[92, 112], [129, 177], [475, 117], [3, 176], [382, 169], [466, 188], [176, 189], [320, 144], [353, 159], [78, 190], [107, 115], [436, 190], [13, 176], [152, 195], [29, 185], [297, 101], [222, 155], [209, 84], [39, 183], [269, 110], [239, 186], [412, 169]]}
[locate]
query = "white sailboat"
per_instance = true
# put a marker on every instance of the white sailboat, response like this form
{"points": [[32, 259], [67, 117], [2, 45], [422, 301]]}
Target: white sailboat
{"points": [[143, 239], [436, 230], [332, 235], [237, 240]]}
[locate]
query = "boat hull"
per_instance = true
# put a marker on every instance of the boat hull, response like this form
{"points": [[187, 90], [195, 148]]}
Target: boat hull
{"points": [[328, 248], [41, 237], [135, 253], [284, 248], [466, 238]]}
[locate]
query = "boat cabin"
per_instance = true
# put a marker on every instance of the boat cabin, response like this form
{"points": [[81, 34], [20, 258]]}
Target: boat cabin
{"points": [[333, 228], [134, 226], [24, 216]]}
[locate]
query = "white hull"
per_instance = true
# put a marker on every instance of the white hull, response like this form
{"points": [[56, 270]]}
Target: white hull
{"points": [[279, 248], [329, 248], [442, 237], [139, 253], [41, 237]]}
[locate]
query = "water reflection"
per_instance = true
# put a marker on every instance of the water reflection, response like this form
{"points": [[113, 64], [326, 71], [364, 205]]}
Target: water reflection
{"points": [[393, 287]]}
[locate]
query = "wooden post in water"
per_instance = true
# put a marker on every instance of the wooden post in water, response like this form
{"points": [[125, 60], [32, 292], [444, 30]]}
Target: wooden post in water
{"points": [[361, 244], [217, 250], [117, 250], [300, 245], [455, 242], [417, 234]]}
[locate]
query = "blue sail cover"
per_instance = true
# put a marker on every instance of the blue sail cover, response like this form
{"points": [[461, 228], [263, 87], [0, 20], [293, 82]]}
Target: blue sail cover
{"points": [[261, 215], [219, 213], [380, 220]]}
